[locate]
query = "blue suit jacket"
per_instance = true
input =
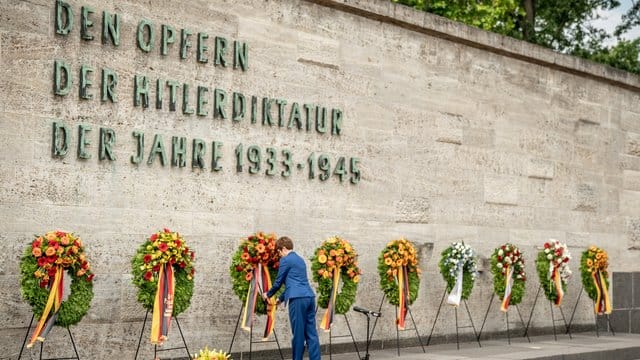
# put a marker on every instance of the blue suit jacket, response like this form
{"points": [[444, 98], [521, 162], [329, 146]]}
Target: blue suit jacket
{"points": [[293, 274]]}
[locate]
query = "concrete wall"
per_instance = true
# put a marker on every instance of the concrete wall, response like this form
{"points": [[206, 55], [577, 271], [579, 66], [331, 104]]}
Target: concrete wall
{"points": [[462, 135]]}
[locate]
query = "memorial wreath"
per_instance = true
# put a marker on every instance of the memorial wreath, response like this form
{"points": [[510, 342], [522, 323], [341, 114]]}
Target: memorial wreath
{"points": [[163, 270], [459, 270], [335, 259], [552, 265], [399, 275], [507, 266], [253, 267], [593, 269], [42, 267]]}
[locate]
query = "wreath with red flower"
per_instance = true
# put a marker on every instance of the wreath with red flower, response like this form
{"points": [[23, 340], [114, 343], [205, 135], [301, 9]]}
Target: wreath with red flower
{"points": [[503, 257], [164, 247], [256, 248], [38, 267]]}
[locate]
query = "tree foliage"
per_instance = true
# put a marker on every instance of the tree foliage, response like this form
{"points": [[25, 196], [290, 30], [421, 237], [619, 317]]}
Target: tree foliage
{"points": [[562, 25]]}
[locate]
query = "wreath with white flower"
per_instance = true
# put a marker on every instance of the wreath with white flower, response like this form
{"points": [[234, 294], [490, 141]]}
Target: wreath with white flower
{"points": [[455, 256], [164, 247], [38, 268], [554, 256], [394, 256], [503, 257], [336, 254]]}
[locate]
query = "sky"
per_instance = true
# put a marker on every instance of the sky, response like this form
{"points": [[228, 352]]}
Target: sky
{"points": [[611, 18]]}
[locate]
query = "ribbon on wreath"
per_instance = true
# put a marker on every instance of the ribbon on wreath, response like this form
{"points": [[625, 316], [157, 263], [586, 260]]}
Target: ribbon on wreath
{"points": [[55, 299], [504, 307], [327, 318], [556, 279], [163, 305], [403, 296], [259, 284], [455, 296], [603, 302]]}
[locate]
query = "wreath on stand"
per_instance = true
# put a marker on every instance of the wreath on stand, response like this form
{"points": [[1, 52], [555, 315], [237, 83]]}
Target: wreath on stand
{"points": [[394, 256], [552, 265], [335, 259], [42, 267], [458, 259], [253, 250], [507, 267], [164, 248], [595, 278]]}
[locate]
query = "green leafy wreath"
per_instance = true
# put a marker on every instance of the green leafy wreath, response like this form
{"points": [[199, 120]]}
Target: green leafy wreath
{"points": [[593, 259], [396, 254], [459, 254], [508, 254], [334, 253], [553, 252], [38, 266], [161, 248], [256, 248]]}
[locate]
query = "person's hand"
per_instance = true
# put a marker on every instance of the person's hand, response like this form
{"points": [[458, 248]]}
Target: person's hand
{"points": [[265, 297]]}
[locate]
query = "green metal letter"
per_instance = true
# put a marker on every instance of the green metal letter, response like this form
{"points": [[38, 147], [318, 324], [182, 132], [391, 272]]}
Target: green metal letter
{"points": [[184, 42], [201, 108], [107, 141], [159, 93], [61, 138], [63, 27], [138, 157], [185, 100], [238, 106], [221, 51], [83, 142], [240, 55], [173, 94], [85, 82], [197, 153], [178, 151], [85, 23], [336, 121], [216, 154], [220, 97], [110, 28], [281, 103], [321, 119], [145, 44], [295, 119], [266, 111], [61, 83], [141, 91], [202, 48], [168, 37], [109, 83], [157, 148]]}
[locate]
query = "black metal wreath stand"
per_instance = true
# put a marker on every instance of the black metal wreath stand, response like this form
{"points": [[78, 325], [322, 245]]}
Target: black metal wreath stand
{"points": [[415, 327], [553, 319], [506, 314], [155, 347], [595, 316], [331, 336], [42, 344], [457, 325], [251, 341]]}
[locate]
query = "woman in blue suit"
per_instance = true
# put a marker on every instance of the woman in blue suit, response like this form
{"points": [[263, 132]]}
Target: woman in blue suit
{"points": [[302, 301]]}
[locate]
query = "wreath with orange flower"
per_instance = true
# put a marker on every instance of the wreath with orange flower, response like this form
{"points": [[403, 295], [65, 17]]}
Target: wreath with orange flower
{"points": [[396, 254], [336, 253], [164, 247], [594, 259], [254, 249], [38, 267]]}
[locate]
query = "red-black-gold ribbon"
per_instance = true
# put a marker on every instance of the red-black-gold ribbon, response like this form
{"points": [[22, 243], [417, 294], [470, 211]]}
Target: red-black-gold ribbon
{"points": [[557, 282], [403, 297], [508, 283], [603, 302], [327, 319], [55, 299], [163, 305], [259, 284]]}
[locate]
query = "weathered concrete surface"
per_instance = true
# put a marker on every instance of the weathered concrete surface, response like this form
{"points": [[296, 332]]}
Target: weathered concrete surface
{"points": [[463, 135]]}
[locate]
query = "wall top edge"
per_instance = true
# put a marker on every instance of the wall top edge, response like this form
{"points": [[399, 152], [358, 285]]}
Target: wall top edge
{"points": [[437, 26]]}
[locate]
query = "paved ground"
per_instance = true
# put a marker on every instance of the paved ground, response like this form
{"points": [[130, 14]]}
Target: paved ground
{"points": [[583, 346]]}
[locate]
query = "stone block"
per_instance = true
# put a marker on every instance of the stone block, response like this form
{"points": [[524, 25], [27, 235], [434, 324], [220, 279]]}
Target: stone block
{"points": [[631, 180], [632, 232], [632, 145], [630, 202], [539, 168], [635, 321], [620, 320], [501, 190], [622, 290], [484, 138], [587, 198]]}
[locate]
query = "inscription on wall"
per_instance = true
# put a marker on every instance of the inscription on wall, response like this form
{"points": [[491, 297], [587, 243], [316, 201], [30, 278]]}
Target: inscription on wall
{"points": [[189, 100]]}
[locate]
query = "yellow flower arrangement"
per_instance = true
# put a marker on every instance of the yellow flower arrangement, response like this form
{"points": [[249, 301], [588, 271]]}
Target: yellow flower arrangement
{"points": [[394, 256], [206, 354]]}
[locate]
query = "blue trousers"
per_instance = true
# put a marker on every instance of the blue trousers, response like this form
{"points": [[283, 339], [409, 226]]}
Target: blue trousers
{"points": [[302, 315]]}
